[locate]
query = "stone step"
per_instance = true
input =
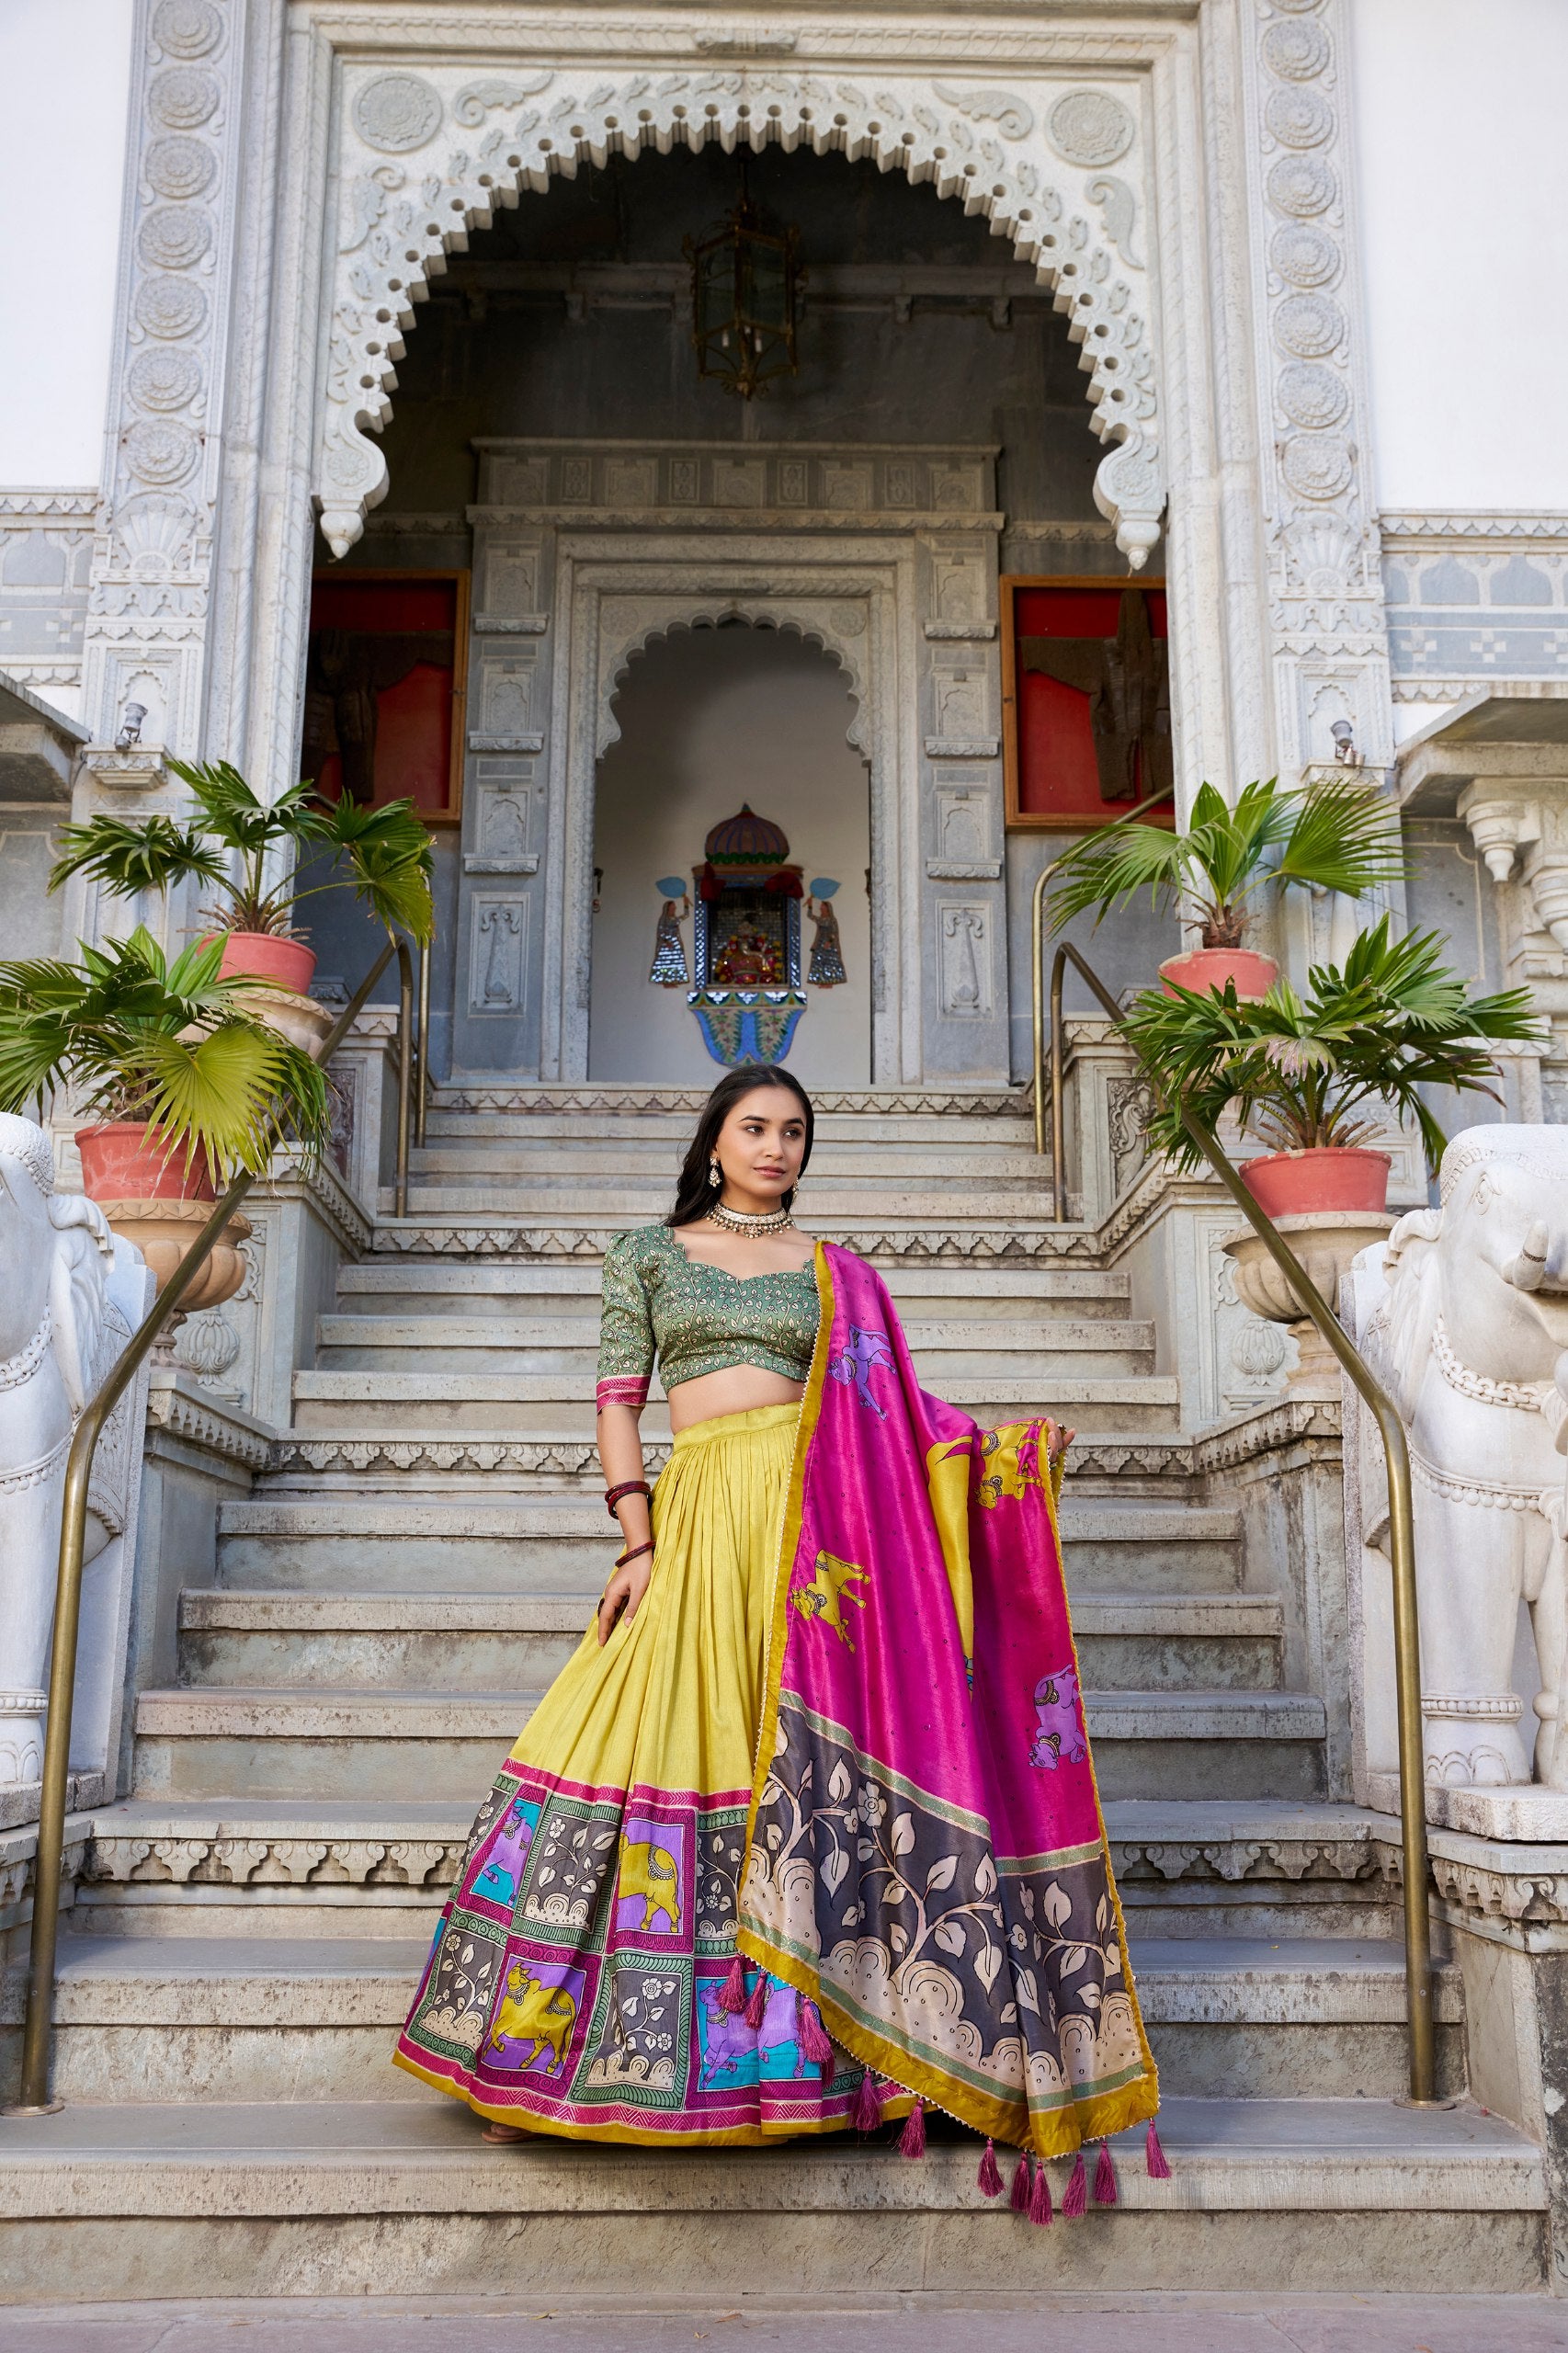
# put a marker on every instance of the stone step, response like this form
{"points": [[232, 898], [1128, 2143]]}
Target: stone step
{"points": [[292, 2017], [957, 1201], [272, 1742], [368, 1459], [457, 1642], [889, 1157], [1017, 1236], [568, 1345], [376, 1864], [646, 1130], [442, 1403], [1020, 1290], [542, 1542], [404, 2197]]}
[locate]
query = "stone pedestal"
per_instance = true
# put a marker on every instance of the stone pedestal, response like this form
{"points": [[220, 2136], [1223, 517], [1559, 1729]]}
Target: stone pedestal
{"points": [[1325, 1241]]}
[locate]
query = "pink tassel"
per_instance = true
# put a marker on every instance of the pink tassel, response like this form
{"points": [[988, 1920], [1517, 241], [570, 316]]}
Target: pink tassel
{"points": [[912, 2140], [732, 1991], [1077, 2199], [1105, 2179], [989, 2178], [1154, 2163], [815, 2048], [1040, 2210], [868, 2113], [756, 2008], [1020, 2200]]}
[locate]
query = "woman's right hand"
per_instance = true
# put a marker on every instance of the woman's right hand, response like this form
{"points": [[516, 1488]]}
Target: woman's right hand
{"points": [[624, 1591]]}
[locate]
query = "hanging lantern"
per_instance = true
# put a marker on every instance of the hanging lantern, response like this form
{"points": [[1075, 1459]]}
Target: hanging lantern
{"points": [[745, 288]]}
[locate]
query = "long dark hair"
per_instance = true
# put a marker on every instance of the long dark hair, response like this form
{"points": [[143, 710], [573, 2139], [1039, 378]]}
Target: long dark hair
{"points": [[694, 1194]]}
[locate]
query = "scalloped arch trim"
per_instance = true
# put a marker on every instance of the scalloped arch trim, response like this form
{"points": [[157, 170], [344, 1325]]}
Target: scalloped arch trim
{"points": [[425, 156], [713, 612]]}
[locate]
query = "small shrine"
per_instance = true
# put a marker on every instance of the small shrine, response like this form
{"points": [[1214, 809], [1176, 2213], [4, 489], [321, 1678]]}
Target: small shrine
{"points": [[745, 985]]}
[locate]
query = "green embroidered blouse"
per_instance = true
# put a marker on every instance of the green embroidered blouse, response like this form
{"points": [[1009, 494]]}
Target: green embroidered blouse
{"points": [[696, 1318]]}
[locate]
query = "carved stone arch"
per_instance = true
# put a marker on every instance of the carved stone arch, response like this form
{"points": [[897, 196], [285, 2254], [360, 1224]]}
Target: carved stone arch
{"points": [[1060, 169], [814, 624]]}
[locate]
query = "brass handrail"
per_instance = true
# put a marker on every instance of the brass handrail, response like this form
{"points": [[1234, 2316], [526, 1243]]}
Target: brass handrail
{"points": [[1420, 2024], [404, 1074], [39, 2030], [421, 1047]]}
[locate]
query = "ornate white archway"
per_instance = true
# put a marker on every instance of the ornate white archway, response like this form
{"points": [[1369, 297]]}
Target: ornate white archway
{"points": [[1057, 166], [859, 605]]}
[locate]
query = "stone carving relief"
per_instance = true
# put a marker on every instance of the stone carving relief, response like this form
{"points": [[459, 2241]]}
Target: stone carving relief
{"points": [[1325, 602], [46, 553], [498, 948], [1474, 598], [146, 625], [983, 144], [964, 946]]}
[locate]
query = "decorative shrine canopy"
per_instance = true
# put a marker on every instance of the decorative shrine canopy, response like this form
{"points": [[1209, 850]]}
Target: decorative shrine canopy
{"points": [[746, 851]]}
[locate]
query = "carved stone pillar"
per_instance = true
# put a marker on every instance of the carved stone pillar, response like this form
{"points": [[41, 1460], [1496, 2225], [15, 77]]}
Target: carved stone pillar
{"points": [[1326, 630], [146, 642]]}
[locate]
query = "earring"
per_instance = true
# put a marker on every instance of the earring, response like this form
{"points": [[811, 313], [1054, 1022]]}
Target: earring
{"points": [[714, 1176]]}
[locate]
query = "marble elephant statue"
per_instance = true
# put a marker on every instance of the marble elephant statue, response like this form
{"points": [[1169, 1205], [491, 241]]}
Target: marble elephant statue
{"points": [[55, 1251], [1469, 1339]]}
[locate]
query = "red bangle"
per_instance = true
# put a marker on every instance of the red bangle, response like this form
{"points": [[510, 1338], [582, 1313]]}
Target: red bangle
{"points": [[627, 1487], [635, 1555]]}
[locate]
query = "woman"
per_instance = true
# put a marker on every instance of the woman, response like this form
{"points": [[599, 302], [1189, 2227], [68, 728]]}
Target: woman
{"points": [[808, 1649]]}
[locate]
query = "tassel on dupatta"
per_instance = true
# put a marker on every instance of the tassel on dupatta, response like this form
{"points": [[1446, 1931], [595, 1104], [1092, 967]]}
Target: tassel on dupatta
{"points": [[912, 2140], [1076, 2200], [989, 2178], [756, 2008], [1020, 2200], [868, 2105], [1105, 2179], [732, 1991], [1040, 2209], [815, 2048], [1154, 2163]]}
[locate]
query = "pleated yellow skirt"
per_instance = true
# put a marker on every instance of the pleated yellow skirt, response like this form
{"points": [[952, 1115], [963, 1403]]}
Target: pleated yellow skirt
{"points": [[575, 1982], [673, 1699]]}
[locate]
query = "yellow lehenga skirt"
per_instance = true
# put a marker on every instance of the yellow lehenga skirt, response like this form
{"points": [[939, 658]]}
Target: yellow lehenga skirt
{"points": [[583, 1979]]}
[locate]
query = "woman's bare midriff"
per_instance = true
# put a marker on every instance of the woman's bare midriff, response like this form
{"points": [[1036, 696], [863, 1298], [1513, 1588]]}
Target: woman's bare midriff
{"points": [[738, 1389]]}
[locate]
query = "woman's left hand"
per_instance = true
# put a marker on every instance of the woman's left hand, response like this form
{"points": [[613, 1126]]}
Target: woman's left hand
{"points": [[1058, 1440]]}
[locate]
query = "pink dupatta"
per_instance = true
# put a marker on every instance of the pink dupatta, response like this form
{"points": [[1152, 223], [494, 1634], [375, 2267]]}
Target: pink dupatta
{"points": [[926, 1856]]}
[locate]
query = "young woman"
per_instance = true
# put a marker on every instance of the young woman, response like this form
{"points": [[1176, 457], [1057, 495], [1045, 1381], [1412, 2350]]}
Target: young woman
{"points": [[811, 1641]]}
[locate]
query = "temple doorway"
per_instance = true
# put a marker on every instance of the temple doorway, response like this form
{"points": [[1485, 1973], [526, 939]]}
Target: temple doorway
{"points": [[731, 852]]}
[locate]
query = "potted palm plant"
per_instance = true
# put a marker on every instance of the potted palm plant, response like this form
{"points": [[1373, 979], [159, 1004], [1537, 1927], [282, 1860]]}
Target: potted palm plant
{"points": [[1333, 836], [1303, 1073], [183, 1086], [238, 844]]}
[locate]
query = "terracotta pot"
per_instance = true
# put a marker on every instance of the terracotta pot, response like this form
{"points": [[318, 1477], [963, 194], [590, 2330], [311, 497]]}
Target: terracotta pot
{"points": [[1210, 967], [267, 955], [1329, 1176], [121, 1161]]}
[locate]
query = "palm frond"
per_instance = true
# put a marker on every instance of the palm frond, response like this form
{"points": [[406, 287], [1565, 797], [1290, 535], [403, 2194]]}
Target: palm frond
{"points": [[1391, 1021], [391, 861], [125, 857]]}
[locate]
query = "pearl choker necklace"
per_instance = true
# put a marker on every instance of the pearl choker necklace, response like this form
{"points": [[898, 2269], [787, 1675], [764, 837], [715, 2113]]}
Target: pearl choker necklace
{"points": [[742, 1221]]}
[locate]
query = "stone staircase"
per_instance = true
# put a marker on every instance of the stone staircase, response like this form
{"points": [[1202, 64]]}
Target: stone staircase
{"points": [[406, 1579]]}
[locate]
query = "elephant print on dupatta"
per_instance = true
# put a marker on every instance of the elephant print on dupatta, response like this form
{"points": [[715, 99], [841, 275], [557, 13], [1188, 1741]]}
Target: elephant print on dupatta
{"points": [[926, 1858], [575, 1982]]}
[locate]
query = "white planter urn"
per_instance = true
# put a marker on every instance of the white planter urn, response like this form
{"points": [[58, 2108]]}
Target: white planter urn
{"points": [[1325, 1241]]}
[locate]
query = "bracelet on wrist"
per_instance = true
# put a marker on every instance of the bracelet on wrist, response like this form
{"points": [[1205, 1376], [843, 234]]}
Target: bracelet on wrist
{"points": [[614, 1495], [635, 1553]]}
